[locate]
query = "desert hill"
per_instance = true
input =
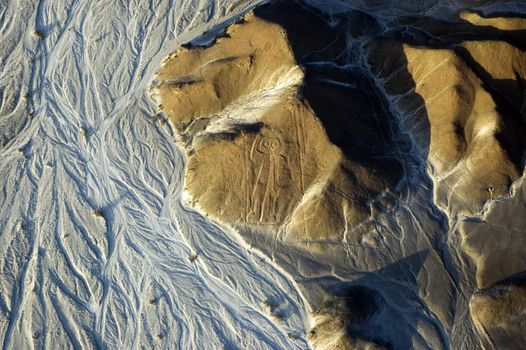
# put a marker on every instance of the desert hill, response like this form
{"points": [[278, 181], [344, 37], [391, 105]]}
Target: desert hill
{"points": [[305, 129]]}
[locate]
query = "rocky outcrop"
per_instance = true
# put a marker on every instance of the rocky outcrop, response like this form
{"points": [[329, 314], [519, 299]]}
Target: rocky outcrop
{"points": [[303, 128], [279, 136], [460, 94], [500, 316], [461, 101], [339, 320]]}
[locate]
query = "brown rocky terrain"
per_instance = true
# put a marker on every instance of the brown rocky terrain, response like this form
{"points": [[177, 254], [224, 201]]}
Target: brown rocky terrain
{"points": [[466, 114], [462, 109], [302, 129], [340, 316], [500, 316], [272, 145]]}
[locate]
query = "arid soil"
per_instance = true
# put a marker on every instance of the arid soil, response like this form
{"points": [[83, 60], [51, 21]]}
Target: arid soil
{"points": [[272, 144], [292, 131], [500, 316]]}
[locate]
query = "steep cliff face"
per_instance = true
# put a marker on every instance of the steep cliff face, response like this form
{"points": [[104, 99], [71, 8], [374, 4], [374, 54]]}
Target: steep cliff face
{"points": [[321, 134]]}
